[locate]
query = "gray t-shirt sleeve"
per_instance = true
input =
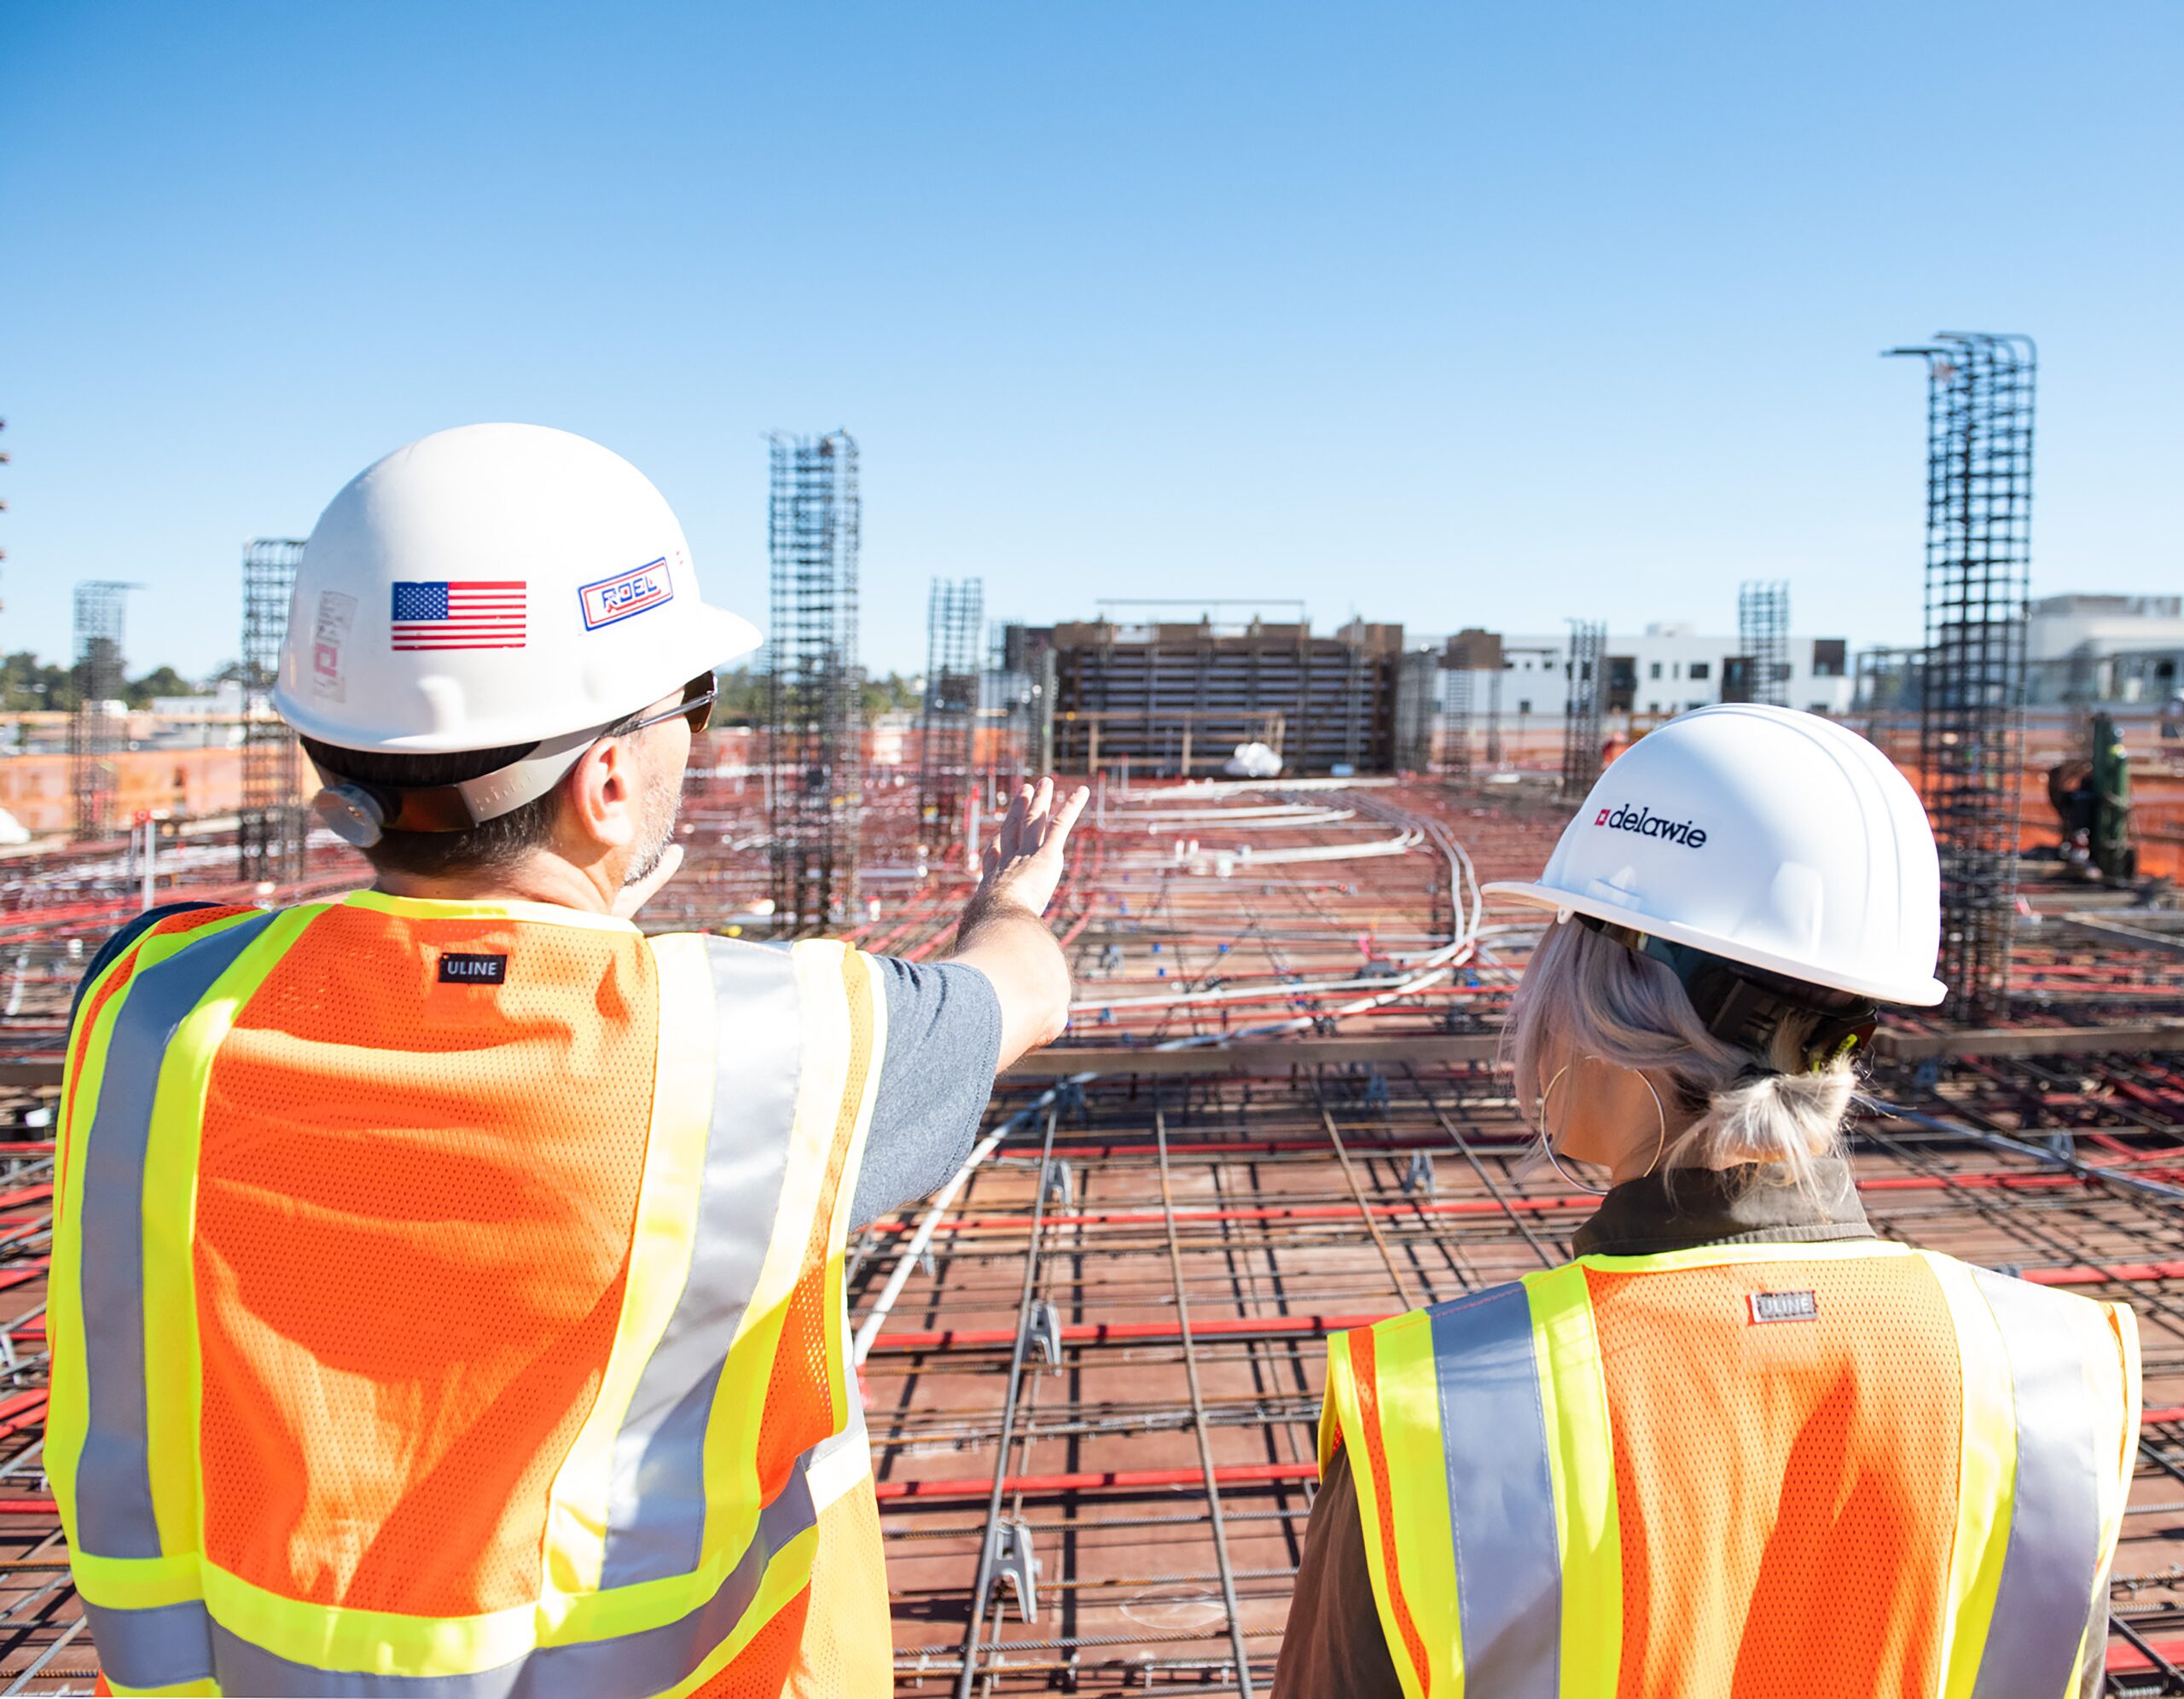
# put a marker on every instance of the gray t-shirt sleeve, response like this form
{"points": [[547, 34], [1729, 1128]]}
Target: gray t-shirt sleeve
{"points": [[944, 1041]]}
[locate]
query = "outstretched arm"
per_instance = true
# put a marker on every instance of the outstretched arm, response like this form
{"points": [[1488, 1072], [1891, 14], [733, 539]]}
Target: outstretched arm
{"points": [[1004, 932]]}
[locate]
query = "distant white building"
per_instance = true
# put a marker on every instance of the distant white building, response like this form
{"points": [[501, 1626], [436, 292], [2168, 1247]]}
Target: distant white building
{"points": [[1667, 669], [2118, 649], [223, 702]]}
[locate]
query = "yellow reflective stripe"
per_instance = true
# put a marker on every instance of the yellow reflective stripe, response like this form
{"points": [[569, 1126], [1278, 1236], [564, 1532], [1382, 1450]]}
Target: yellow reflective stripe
{"points": [[1713, 1255], [137, 1583], [732, 1433], [68, 1407], [447, 908], [874, 1011], [1985, 1477], [384, 1643], [1418, 1474], [68, 1416], [867, 1020], [172, 1368], [1425, 1554], [788, 1575], [665, 1230], [188, 1689], [375, 1642], [1581, 1459], [2114, 1340]]}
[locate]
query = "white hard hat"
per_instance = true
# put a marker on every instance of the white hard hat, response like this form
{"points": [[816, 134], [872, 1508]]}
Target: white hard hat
{"points": [[1768, 837], [493, 585]]}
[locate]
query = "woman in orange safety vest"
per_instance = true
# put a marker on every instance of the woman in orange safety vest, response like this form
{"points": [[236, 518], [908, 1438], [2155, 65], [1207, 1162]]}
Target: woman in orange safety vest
{"points": [[1740, 1445]]}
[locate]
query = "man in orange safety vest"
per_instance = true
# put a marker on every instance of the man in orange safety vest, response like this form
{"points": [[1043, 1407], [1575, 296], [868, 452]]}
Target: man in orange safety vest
{"points": [[447, 1278]]}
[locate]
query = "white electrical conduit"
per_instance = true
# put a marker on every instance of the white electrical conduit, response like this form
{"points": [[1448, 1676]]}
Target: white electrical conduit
{"points": [[1238, 788], [1244, 860], [1238, 986], [1436, 965], [1274, 814]]}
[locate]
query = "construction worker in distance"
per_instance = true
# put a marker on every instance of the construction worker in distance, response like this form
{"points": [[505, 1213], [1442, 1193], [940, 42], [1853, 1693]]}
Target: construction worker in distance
{"points": [[1740, 1446], [447, 1278]]}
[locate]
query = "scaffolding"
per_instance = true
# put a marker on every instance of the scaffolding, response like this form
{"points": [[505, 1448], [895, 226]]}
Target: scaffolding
{"points": [[954, 624], [1470, 653], [1418, 682], [1458, 712], [1763, 635], [1979, 405], [814, 734], [1581, 717], [95, 734], [269, 830]]}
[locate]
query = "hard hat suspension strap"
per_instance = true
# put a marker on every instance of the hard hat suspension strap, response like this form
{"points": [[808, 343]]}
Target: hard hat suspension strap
{"points": [[1745, 1007], [359, 811]]}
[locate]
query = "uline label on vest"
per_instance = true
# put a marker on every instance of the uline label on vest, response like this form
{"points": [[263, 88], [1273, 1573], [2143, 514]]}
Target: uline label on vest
{"points": [[473, 969], [1784, 1307]]}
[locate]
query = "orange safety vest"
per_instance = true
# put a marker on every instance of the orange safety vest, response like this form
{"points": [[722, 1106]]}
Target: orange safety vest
{"points": [[446, 1301], [1775, 1471]]}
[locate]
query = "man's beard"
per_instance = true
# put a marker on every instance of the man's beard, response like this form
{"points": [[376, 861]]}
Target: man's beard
{"points": [[663, 801]]}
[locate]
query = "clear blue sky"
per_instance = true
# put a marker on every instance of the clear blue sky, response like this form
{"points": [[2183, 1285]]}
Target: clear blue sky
{"points": [[1444, 314]]}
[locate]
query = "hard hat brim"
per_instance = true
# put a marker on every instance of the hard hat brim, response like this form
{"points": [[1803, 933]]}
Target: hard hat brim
{"points": [[1923, 993]]}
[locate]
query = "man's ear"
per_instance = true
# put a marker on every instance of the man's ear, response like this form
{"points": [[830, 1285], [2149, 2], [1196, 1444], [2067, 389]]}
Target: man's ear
{"points": [[600, 796]]}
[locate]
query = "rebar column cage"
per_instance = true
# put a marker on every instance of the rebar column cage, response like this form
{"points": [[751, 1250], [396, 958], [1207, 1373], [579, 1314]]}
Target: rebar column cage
{"points": [[814, 741], [95, 734], [955, 625], [1580, 716], [270, 829], [1763, 636], [1979, 406]]}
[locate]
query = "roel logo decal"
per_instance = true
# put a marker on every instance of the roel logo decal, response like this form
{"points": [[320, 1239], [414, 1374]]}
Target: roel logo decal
{"points": [[608, 599]]}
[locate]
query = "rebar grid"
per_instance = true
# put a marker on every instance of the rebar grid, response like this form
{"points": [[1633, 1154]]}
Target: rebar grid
{"points": [[1216, 1229], [1297, 1199]]}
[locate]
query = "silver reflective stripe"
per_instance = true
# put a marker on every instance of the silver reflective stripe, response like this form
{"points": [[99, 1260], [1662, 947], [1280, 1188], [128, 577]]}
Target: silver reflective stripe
{"points": [[161, 1647], [627, 1667], [113, 1478], [2053, 1555], [1501, 1495], [656, 1502]]}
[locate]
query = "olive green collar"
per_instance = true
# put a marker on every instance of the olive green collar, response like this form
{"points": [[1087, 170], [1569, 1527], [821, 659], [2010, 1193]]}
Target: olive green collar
{"points": [[1752, 1203]]}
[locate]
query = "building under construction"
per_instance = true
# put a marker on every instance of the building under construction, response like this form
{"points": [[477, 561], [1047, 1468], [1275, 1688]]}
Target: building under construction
{"points": [[1178, 699]]}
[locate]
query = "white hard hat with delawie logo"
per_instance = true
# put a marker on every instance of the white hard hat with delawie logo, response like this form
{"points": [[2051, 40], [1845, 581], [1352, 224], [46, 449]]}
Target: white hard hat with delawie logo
{"points": [[1766, 837], [488, 586]]}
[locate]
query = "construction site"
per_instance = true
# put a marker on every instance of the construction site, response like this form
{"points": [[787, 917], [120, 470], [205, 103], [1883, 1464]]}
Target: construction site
{"points": [[1091, 1365]]}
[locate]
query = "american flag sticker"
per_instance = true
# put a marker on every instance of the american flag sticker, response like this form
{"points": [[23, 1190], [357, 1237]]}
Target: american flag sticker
{"points": [[607, 599], [461, 613]]}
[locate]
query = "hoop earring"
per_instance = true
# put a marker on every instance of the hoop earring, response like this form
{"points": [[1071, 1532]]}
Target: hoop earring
{"points": [[1547, 1140], [1661, 1145]]}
